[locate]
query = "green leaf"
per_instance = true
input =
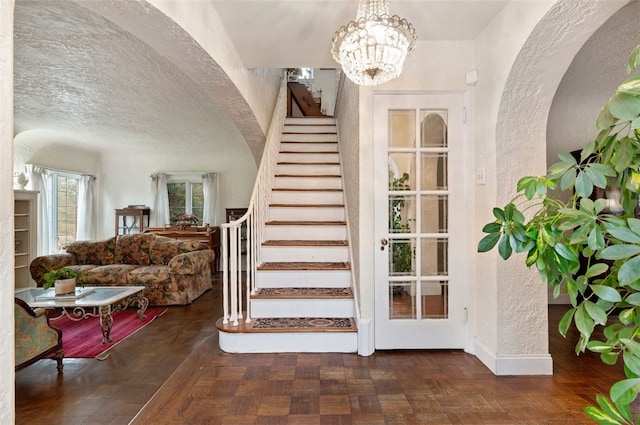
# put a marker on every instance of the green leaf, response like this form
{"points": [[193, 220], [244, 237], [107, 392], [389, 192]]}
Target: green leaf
{"points": [[568, 179], [634, 225], [624, 106], [629, 272], [624, 154], [596, 239], [623, 234], [599, 347], [492, 227], [611, 409], [631, 360], [610, 358], [633, 299], [565, 322], [625, 391], [626, 317], [606, 293], [584, 323], [596, 269], [565, 252], [567, 158], [596, 312], [596, 176], [584, 185], [605, 119], [499, 214], [504, 247], [634, 59], [600, 417], [619, 252], [488, 242]]}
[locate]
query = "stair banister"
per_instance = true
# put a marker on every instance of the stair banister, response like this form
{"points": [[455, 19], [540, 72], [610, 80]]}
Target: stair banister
{"points": [[231, 251]]}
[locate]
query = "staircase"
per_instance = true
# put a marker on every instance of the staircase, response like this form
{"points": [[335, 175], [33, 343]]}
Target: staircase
{"points": [[302, 300]]}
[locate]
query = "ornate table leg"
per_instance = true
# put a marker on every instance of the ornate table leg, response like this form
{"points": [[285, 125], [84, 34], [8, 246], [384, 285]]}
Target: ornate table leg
{"points": [[143, 303], [106, 321]]}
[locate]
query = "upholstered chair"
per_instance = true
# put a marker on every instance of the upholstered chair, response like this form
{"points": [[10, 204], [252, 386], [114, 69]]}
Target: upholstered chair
{"points": [[35, 338]]}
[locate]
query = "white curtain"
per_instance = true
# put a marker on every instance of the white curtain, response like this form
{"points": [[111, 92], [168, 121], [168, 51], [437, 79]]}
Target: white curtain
{"points": [[160, 205], [40, 180], [86, 208], [210, 192]]}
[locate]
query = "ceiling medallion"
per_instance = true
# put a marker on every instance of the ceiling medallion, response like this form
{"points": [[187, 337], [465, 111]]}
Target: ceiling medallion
{"points": [[372, 48]]}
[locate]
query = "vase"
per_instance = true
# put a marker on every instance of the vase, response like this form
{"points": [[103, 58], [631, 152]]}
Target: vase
{"points": [[65, 286]]}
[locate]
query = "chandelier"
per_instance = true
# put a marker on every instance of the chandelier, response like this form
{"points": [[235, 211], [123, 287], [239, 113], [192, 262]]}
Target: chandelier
{"points": [[372, 48]]}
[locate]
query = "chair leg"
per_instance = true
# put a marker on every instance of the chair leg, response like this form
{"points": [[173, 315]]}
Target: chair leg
{"points": [[59, 357]]}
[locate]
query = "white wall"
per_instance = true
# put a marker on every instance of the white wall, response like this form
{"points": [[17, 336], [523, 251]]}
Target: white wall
{"points": [[7, 335], [325, 80]]}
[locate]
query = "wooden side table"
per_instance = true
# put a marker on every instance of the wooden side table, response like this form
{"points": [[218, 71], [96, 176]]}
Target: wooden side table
{"points": [[131, 220]]}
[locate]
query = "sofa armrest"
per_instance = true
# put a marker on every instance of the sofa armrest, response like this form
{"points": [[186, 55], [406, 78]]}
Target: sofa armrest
{"points": [[191, 262], [44, 264]]}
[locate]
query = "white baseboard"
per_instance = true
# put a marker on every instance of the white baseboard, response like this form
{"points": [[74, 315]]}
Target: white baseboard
{"points": [[519, 364]]}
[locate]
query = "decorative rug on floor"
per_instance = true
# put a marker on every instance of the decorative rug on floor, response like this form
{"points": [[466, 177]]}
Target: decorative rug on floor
{"points": [[303, 323], [83, 339]]}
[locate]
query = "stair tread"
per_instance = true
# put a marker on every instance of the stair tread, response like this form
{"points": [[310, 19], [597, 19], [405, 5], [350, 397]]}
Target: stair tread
{"points": [[291, 325], [308, 163], [306, 223], [312, 132], [305, 266], [311, 152], [321, 176], [307, 205], [299, 189], [302, 293], [307, 142], [304, 243]]}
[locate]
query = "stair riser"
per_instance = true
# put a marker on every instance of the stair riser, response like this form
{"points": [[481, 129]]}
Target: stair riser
{"points": [[289, 128], [306, 198], [303, 278], [308, 182], [308, 157], [303, 137], [306, 214], [309, 121], [309, 147], [308, 169], [302, 308], [308, 233], [303, 342], [305, 253]]}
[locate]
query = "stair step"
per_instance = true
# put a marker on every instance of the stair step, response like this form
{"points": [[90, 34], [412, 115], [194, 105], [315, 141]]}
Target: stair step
{"points": [[317, 176], [308, 163], [292, 324], [309, 169], [307, 196], [311, 265], [304, 243], [307, 213], [296, 189], [298, 293], [309, 137], [306, 223]]}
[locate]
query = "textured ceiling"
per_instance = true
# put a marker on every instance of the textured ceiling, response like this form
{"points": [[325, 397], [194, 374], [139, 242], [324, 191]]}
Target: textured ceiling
{"points": [[298, 33], [77, 73]]}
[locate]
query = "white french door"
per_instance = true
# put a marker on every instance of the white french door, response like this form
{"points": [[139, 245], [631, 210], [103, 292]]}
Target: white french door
{"points": [[420, 221]]}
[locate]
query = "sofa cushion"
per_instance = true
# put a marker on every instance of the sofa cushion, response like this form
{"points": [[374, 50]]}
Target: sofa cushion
{"points": [[163, 249], [134, 249], [100, 252], [110, 275]]}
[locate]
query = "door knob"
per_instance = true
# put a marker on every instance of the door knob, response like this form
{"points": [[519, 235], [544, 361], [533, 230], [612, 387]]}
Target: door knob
{"points": [[383, 243]]}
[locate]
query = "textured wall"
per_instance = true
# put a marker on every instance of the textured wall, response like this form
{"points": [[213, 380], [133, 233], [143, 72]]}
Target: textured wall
{"points": [[7, 360]]}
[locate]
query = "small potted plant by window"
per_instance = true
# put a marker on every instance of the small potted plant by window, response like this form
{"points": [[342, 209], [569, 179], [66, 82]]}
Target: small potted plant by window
{"points": [[63, 280]]}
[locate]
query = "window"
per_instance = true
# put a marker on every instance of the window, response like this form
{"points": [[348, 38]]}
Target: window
{"points": [[185, 197], [64, 208]]}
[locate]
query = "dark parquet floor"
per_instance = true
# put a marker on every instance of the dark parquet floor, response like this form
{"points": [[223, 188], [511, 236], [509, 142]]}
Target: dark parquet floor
{"points": [[172, 372]]}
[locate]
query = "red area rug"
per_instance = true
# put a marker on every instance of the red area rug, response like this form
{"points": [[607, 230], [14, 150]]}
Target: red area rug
{"points": [[83, 339]]}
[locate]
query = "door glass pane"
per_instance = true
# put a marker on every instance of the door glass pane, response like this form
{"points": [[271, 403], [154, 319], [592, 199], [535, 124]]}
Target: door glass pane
{"points": [[177, 200], [402, 128], [402, 214], [433, 128], [435, 300], [402, 171], [434, 217], [402, 300], [434, 259], [402, 254], [434, 171], [197, 200]]}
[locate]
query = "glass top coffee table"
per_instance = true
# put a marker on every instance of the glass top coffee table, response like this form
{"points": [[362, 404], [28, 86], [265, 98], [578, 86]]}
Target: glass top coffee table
{"points": [[90, 301]]}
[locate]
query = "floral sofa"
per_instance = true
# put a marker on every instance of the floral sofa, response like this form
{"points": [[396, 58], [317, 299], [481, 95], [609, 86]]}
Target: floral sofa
{"points": [[173, 272]]}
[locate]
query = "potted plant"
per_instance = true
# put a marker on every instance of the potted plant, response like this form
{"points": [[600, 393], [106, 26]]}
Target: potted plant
{"points": [[402, 252], [63, 280], [583, 248]]}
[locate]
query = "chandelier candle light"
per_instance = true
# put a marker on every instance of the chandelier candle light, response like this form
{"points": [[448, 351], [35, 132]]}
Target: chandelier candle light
{"points": [[372, 49]]}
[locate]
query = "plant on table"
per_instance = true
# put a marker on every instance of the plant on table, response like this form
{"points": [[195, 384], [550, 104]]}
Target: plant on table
{"points": [[61, 274], [605, 292]]}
